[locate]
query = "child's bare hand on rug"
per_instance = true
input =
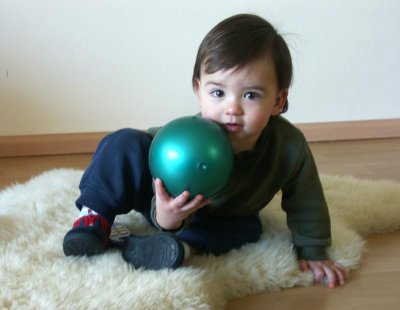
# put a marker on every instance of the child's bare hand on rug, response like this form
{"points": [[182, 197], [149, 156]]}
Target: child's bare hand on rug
{"points": [[172, 211], [332, 271]]}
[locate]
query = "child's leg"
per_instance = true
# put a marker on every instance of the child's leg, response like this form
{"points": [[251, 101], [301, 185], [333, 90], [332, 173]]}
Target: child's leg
{"points": [[220, 234], [118, 178], [117, 181], [216, 235]]}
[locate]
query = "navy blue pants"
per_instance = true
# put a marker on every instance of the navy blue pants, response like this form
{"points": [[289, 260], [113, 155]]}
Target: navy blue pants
{"points": [[118, 180]]}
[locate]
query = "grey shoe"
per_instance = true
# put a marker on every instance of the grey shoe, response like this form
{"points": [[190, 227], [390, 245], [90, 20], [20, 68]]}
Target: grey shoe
{"points": [[154, 252]]}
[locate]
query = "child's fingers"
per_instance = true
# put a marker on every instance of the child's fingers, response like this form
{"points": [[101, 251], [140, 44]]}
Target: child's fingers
{"points": [[174, 204], [303, 265], [180, 201], [160, 190], [180, 204], [196, 203], [317, 270], [334, 273], [331, 271], [340, 272], [330, 274]]}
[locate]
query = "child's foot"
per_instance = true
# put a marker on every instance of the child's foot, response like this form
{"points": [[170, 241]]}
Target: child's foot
{"points": [[154, 252], [89, 236]]}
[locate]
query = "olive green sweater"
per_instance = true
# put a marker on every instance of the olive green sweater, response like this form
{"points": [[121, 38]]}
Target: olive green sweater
{"points": [[280, 161]]}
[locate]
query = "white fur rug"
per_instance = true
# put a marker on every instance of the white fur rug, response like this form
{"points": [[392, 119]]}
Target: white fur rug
{"points": [[35, 274]]}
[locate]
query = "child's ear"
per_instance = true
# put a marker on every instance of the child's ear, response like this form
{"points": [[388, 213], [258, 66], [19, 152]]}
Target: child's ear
{"points": [[196, 87], [280, 102]]}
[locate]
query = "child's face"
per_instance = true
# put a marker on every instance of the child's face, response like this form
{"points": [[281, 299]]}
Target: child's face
{"points": [[241, 101]]}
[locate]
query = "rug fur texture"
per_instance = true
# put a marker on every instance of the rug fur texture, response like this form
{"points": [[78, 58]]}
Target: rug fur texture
{"points": [[35, 274]]}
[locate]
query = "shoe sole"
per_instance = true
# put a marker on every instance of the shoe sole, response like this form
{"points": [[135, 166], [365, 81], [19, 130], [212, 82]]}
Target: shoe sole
{"points": [[82, 244], [153, 252]]}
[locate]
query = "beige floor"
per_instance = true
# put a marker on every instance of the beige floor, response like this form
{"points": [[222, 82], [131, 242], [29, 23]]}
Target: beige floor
{"points": [[375, 285]]}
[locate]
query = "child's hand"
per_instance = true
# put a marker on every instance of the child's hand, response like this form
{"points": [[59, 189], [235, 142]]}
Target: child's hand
{"points": [[172, 211], [328, 269]]}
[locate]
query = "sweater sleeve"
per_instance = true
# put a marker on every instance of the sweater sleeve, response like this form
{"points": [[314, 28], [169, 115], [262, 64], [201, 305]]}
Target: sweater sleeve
{"points": [[307, 212], [152, 131]]}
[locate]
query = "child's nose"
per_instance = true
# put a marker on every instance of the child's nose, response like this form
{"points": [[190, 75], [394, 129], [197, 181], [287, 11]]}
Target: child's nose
{"points": [[234, 107]]}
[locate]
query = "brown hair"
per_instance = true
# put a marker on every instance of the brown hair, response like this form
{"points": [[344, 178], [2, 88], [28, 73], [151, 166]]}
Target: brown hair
{"points": [[240, 39]]}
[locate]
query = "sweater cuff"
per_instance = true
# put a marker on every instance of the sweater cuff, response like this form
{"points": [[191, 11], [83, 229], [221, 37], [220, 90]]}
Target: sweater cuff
{"points": [[312, 253]]}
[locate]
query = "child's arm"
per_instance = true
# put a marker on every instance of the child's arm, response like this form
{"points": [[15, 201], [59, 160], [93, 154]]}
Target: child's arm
{"points": [[309, 221], [171, 212], [326, 269]]}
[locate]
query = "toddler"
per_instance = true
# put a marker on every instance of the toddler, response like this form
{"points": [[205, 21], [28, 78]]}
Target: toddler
{"points": [[241, 78]]}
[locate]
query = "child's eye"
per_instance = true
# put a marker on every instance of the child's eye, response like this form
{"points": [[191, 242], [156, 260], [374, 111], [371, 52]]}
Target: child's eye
{"points": [[217, 93], [251, 95]]}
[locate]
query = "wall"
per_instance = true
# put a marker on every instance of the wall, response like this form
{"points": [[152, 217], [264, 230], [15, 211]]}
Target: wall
{"points": [[87, 66]]}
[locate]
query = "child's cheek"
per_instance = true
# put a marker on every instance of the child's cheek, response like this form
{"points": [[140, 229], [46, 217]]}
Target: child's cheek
{"points": [[258, 123]]}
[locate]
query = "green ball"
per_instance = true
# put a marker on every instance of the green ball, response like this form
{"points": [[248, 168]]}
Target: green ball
{"points": [[191, 153]]}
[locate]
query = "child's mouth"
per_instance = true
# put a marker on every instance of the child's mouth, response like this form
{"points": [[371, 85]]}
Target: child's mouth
{"points": [[232, 128]]}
